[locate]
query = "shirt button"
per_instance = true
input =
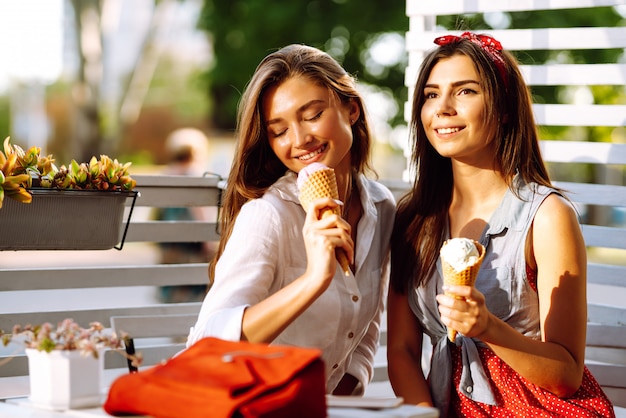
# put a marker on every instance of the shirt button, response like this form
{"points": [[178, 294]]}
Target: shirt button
{"points": [[469, 389], [335, 366], [355, 298], [351, 335]]}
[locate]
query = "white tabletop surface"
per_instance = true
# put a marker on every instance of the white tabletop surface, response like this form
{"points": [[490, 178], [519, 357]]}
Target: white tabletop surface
{"points": [[21, 408], [17, 405]]}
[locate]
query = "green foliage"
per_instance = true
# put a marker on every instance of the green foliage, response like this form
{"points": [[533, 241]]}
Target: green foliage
{"points": [[5, 114], [244, 31], [20, 170]]}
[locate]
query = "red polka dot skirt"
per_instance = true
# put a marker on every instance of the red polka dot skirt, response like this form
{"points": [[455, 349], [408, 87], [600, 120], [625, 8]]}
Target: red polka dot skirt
{"points": [[517, 397]]}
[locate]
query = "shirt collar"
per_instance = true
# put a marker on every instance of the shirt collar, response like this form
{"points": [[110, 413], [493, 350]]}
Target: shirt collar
{"points": [[513, 212]]}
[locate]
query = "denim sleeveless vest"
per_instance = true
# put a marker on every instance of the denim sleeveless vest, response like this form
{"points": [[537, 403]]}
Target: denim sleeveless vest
{"points": [[502, 279]]}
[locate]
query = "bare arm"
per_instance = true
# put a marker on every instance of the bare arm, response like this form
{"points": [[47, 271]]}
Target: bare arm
{"points": [[555, 362], [264, 321], [404, 352]]}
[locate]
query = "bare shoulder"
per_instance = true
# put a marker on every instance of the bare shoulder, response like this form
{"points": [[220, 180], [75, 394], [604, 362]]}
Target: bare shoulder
{"points": [[555, 210], [557, 235]]}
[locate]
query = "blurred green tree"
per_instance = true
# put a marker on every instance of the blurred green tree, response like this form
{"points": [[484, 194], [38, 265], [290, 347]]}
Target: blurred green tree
{"points": [[244, 31], [4, 116]]}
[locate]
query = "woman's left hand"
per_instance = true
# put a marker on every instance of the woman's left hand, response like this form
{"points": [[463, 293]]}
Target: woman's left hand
{"points": [[463, 309]]}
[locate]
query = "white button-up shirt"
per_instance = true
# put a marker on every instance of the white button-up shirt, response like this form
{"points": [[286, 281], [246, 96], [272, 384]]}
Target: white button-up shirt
{"points": [[266, 252]]}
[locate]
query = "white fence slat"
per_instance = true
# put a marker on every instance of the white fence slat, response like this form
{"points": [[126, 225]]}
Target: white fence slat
{"points": [[594, 194], [608, 374], [556, 74], [580, 115], [167, 231], [607, 315], [438, 7], [604, 236], [176, 182], [606, 274], [617, 395], [583, 152], [151, 354], [605, 336], [92, 277], [85, 316], [574, 74], [164, 191], [606, 354], [154, 326], [534, 39]]}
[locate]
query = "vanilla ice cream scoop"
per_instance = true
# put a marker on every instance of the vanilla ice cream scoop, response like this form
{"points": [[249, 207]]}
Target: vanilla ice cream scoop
{"points": [[460, 253], [461, 259], [304, 174]]}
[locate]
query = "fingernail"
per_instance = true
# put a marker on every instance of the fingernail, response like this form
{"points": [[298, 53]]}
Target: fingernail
{"points": [[339, 202]]}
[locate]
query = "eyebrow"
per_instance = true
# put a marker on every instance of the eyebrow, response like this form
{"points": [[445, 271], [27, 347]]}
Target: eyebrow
{"points": [[455, 84], [301, 109]]}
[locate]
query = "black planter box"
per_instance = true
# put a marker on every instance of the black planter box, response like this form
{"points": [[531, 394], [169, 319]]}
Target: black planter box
{"points": [[64, 220]]}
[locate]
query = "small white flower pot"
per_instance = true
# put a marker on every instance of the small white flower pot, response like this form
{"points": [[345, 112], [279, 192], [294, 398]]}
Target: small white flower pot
{"points": [[64, 379]]}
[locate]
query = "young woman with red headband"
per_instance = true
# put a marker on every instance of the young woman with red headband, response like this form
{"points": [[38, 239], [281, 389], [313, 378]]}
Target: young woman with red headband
{"points": [[479, 175]]}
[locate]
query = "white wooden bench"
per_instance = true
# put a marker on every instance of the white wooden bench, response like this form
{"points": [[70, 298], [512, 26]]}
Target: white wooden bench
{"points": [[606, 334]]}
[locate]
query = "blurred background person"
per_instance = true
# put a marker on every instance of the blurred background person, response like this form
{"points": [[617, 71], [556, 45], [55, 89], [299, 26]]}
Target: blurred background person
{"points": [[188, 151]]}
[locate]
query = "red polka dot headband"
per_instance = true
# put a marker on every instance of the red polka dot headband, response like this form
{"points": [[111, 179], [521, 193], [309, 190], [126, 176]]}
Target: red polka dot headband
{"points": [[488, 44]]}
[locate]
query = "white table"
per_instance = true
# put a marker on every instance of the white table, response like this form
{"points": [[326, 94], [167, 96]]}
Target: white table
{"points": [[21, 408], [17, 405]]}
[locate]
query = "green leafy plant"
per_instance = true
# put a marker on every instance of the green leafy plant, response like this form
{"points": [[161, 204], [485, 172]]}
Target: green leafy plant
{"points": [[21, 170]]}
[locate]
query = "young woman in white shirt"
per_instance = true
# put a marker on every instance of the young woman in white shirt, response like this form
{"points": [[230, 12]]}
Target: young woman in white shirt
{"points": [[275, 278]]}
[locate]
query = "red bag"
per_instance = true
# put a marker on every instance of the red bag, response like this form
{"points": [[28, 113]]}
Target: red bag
{"points": [[217, 378]]}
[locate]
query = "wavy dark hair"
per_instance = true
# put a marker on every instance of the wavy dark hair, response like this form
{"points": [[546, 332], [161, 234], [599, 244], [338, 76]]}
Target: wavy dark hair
{"points": [[422, 213], [255, 167]]}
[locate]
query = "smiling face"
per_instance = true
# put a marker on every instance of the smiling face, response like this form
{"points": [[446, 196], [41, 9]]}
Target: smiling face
{"points": [[305, 124], [453, 114]]}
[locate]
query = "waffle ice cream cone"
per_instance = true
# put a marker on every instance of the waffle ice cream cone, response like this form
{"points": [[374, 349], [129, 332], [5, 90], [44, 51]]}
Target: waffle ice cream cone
{"points": [[318, 181], [461, 259]]}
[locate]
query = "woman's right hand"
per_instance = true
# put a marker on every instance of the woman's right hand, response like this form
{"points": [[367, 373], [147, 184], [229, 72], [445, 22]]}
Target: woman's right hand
{"points": [[322, 235], [464, 309]]}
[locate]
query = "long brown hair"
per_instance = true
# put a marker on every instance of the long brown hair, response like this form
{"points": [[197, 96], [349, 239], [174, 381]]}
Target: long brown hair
{"points": [[255, 167], [422, 213]]}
